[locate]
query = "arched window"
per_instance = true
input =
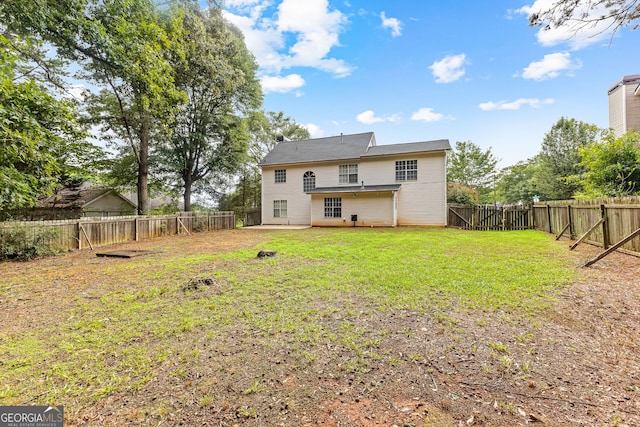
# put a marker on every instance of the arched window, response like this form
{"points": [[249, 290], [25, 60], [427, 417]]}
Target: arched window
{"points": [[308, 181]]}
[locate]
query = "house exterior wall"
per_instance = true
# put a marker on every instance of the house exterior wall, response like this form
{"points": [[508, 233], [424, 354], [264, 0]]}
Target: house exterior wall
{"points": [[633, 107], [420, 202], [298, 203], [616, 111], [108, 205], [375, 209], [624, 108]]}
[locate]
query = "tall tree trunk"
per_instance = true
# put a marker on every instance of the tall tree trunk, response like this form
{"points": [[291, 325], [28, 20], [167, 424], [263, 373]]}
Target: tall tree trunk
{"points": [[187, 193], [143, 170]]}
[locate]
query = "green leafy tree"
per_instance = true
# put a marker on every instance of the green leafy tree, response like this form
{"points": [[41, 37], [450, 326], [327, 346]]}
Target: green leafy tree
{"points": [[267, 127], [559, 158], [119, 45], [473, 167], [519, 183], [218, 73], [40, 138], [612, 166], [264, 129]]}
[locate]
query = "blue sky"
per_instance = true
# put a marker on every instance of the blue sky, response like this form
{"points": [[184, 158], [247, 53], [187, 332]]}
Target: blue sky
{"points": [[423, 70]]}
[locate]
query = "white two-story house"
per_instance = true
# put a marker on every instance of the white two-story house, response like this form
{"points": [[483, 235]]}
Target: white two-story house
{"points": [[348, 180]]}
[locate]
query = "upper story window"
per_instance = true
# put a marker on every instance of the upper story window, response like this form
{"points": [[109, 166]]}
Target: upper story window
{"points": [[348, 174], [281, 175], [407, 170], [308, 181]]}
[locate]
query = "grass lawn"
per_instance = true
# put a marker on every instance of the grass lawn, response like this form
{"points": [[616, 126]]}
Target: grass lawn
{"points": [[210, 327]]}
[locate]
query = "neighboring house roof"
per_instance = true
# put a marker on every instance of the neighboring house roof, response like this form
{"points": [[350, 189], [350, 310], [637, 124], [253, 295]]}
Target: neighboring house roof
{"points": [[631, 79], [354, 189], [344, 147], [78, 197]]}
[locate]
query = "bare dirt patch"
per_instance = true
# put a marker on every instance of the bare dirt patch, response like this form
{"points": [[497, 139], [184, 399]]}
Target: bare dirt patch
{"points": [[576, 364]]}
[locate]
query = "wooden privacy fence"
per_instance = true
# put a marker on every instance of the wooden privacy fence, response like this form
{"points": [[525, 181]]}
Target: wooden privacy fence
{"points": [[93, 232], [490, 217], [613, 224]]}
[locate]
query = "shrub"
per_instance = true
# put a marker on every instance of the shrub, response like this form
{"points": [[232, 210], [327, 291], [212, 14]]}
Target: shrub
{"points": [[458, 193], [24, 243]]}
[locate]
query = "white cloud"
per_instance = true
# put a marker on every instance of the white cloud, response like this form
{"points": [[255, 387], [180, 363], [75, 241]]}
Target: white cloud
{"points": [[368, 117], [551, 66], [312, 26], [449, 69], [578, 31], [515, 105], [392, 23], [427, 115], [314, 130], [281, 84]]}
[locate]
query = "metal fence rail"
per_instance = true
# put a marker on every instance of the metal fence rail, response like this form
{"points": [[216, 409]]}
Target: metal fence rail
{"points": [[90, 232]]}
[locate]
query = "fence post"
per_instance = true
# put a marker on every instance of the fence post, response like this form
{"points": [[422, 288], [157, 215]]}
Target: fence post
{"points": [[605, 227], [549, 218], [135, 227], [77, 229], [570, 222]]}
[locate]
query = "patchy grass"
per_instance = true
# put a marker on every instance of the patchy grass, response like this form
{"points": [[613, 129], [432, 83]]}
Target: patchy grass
{"points": [[313, 304]]}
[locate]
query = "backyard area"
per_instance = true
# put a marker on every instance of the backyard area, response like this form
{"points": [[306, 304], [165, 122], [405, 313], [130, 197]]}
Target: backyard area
{"points": [[342, 327]]}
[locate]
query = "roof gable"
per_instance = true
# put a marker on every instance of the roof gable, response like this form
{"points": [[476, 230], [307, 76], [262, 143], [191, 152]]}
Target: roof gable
{"points": [[78, 197]]}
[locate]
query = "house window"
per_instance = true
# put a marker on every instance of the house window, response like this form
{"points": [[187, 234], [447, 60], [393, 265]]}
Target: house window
{"points": [[281, 175], [333, 207], [407, 170], [348, 174], [308, 181], [279, 208]]}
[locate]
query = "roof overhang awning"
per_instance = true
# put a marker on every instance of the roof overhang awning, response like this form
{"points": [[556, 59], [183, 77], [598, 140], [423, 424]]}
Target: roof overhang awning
{"points": [[391, 188]]}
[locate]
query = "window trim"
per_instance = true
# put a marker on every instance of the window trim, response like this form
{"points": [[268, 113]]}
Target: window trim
{"points": [[333, 207], [407, 170], [308, 181], [280, 209], [280, 176], [348, 173]]}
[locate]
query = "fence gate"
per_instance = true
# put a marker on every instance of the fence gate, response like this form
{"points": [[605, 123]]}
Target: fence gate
{"points": [[490, 217]]}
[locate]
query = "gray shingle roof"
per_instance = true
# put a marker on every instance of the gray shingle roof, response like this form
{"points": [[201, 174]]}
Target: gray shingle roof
{"points": [[411, 147], [343, 147], [319, 149]]}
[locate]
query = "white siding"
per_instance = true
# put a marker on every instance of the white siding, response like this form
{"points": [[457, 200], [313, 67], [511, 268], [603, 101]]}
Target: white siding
{"points": [[616, 111], [624, 109], [421, 202], [298, 203], [373, 209]]}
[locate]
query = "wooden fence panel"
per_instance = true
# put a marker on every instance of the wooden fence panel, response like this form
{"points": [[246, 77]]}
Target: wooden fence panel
{"points": [[622, 218], [490, 217], [94, 232], [622, 221]]}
